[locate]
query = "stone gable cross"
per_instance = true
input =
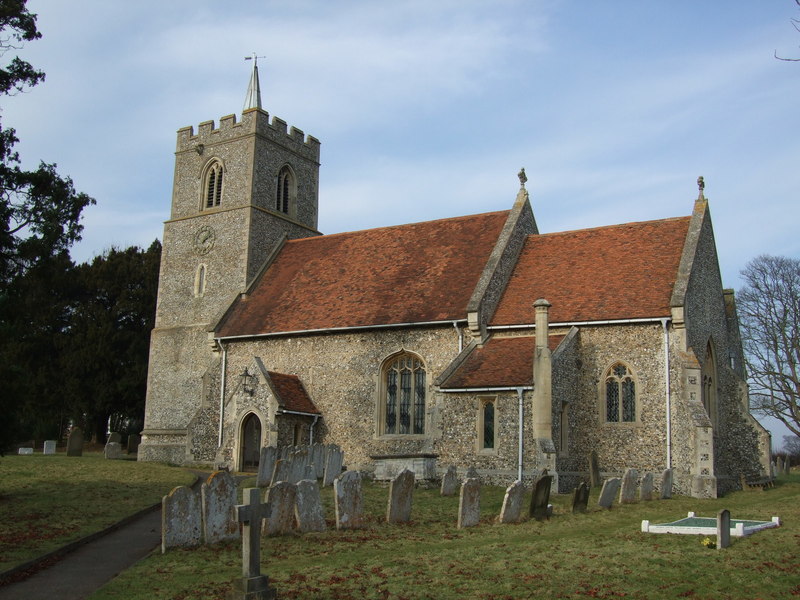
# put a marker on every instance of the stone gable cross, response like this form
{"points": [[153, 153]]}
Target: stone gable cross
{"points": [[250, 514]]}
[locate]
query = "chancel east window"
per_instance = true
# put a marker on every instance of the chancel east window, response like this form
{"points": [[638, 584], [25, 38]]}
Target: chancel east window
{"points": [[404, 396], [620, 395], [213, 185]]}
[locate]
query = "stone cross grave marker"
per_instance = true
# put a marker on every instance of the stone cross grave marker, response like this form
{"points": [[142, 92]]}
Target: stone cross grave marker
{"points": [[308, 507], [541, 497], [401, 491], [594, 470], [646, 488], [609, 492], [282, 496], [723, 529], [666, 484], [469, 503], [49, 447], [180, 519], [333, 466], [253, 585], [511, 512], [75, 442], [218, 502], [580, 498], [450, 481], [627, 495], [348, 501]]}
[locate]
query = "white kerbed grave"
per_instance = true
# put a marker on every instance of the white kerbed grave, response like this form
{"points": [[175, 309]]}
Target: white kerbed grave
{"points": [[694, 525]]}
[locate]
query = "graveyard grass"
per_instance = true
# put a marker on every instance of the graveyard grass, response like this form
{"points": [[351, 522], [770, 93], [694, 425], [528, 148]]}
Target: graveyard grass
{"points": [[47, 501], [601, 554]]}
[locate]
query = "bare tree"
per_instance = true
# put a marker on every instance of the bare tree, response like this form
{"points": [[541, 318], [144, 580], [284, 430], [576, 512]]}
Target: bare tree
{"points": [[791, 446], [796, 25], [769, 312]]}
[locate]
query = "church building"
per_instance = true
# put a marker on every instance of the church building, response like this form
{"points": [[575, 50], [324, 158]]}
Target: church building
{"points": [[476, 341]]}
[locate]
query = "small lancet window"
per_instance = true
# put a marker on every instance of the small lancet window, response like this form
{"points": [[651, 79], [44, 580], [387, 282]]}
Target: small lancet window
{"points": [[620, 395], [487, 425], [200, 281], [213, 185], [286, 189]]}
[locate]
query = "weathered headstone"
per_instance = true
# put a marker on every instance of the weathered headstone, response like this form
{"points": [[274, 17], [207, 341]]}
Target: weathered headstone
{"points": [[282, 496], [253, 585], [281, 471], [627, 494], [180, 519], [218, 503], [646, 488], [75, 442], [348, 500], [580, 498], [779, 465], [308, 507], [723, 529], [333, 466], [114, 437], [401, 491], [469, 503], [666, 484], [472, 473], [134, 439], [594, 470], [609, 492], [49, 447], [541, 497], [318, 460], [300, 460], [511, 512], [25, 451], [450, 481], [266, 466], [113, 450]]}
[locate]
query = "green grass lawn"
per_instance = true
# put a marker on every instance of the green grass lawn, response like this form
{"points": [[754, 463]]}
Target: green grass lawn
{"points": [[47, 501], [601, 554]]}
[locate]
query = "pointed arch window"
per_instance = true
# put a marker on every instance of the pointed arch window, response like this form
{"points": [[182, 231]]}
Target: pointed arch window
{"points": [[619, 394], [212, 185], [708, 392], [200, 281], [403, 396], [487, 420], [285, 195]]}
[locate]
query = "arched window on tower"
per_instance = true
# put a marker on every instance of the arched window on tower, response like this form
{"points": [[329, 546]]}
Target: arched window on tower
{"points": [[287, 187], [212, 185]]}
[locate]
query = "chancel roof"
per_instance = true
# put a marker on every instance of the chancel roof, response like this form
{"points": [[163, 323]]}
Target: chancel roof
{"points": [[607, 273], [417, 273], [501, 362]]}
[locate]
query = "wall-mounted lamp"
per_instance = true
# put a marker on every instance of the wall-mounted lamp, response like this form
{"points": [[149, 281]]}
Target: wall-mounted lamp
{"points": [[248, 382]]}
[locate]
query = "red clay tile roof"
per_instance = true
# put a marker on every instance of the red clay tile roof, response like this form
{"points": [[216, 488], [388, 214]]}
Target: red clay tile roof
{"points": [[291, 393], [502, 362], [405, 274], [616, 272]]}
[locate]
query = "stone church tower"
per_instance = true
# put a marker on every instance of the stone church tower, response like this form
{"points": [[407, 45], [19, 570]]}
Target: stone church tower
{"points": [[240, 190]]}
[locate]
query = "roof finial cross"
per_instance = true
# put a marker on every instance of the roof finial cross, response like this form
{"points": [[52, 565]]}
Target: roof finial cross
{"points": [[701, 184], [254, 58], [522, 178]]}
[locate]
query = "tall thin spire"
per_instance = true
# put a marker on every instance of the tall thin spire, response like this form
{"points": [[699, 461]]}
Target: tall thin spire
{"points": [[253, 97]]}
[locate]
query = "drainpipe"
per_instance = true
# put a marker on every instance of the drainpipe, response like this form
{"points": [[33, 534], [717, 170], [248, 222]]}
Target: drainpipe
{"points": [[667, 386], [521, 431], [311, 431], [460, 337], [222, 391]]}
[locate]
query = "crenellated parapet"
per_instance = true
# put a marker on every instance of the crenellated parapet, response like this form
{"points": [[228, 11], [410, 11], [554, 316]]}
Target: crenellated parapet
{"points": [[254, 121]]}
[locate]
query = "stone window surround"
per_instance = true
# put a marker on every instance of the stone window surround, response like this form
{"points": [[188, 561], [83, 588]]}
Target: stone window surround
{"points": [[216, 167], [601, 396], [286, 177], [200, 280], [709, 395], [480, 449], [380, 403]]}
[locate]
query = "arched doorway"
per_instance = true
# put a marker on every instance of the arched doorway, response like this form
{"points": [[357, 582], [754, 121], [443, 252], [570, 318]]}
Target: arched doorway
{"points": [[250, 443]]}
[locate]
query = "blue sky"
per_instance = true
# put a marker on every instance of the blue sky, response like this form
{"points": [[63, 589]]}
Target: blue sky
{"points": [[428, 109]]}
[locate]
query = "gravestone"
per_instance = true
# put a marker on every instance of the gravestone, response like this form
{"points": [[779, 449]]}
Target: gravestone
{"points": [[281, 471], [318, 460], [308, 507], [511, 512], [779, 465], [113, 450], [300, 460], [75, 442], [609, 492], [401, 491], [450, 481], [348, 500], [134, 439], [666, 484], [627, 495], [333, 466], [472, 473], [646, 488], [580, 498], [266, 466], [469, 503], [723, 529], [218, 505], [114, 437], [594, 470], [25, 451], [282, 496], [49, 447], [180, 519], [541, 497], [253, 585]]}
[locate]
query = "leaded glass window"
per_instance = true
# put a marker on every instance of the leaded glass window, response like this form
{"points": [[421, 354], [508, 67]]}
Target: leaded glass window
{"points": [[404, 409], [620, 395], [488, 426]]}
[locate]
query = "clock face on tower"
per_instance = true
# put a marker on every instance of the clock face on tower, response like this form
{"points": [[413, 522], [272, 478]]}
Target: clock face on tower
{"points": [[204, 240]]}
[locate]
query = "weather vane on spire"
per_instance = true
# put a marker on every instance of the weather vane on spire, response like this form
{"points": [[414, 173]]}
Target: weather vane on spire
{"points": [[254, 58], [253, 98]]}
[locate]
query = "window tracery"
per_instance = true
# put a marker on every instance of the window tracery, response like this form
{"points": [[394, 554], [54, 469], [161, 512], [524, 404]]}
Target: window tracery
{"points": [[620, 395], [403, 397]]}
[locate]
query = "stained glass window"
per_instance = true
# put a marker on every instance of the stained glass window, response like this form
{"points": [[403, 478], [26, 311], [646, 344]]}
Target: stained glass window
{"points": [[620, 395], [405, 396]]}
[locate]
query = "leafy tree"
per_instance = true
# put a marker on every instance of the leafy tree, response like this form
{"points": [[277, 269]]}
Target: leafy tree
{"points": [[769, 312]]}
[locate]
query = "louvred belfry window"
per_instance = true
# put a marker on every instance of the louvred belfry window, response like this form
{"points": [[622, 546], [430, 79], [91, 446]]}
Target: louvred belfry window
{"points": [[620, 395], [404, 396], [213, 187]]}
